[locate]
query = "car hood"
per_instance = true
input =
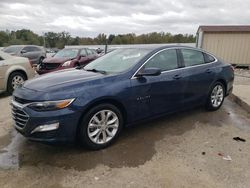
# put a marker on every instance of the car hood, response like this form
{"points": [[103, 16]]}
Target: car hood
{"points": [[56, 59], [60, 79]]}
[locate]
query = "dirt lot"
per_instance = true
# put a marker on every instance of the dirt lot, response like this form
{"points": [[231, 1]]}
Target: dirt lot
{"points": [[242, 77], [180, 150]]}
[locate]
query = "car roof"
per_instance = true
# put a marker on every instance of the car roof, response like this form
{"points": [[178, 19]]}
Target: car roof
{"points": [[25, 45], [153, 48]]}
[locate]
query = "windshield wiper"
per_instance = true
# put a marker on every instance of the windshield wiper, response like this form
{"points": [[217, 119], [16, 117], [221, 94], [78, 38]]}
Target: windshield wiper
{"points": [[95, 70]]}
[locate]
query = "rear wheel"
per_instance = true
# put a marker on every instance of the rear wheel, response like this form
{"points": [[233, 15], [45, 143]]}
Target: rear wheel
{"points": [[15, 79], [216, 97], [100, 126]]}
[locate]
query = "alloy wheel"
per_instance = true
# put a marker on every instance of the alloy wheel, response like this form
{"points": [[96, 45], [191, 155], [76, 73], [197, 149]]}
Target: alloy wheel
{"points": [[103, 126], [217, 96], [16, 81]]}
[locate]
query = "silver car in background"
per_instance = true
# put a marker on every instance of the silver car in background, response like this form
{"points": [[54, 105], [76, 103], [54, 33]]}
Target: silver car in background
{"points": [[36, 54], [14, 71]]}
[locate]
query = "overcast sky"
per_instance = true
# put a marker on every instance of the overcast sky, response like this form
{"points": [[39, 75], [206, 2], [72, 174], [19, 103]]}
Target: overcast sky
{"points": [[90, 17]]}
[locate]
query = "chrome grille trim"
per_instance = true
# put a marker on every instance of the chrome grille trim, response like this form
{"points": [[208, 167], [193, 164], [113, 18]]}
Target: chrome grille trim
{"points": [[19, 116]]}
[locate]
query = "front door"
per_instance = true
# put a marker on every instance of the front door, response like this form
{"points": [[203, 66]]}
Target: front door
{"points": [[156, 95]]}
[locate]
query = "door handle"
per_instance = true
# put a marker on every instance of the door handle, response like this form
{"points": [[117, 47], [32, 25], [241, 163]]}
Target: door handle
{"points": [[177, 77], [209, 71]]}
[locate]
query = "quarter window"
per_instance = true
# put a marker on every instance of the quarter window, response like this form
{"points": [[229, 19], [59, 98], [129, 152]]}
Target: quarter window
{"points": [[93, 52], [208, 58], [192, 57], [1, 58], [165, 60], [89, 52]]}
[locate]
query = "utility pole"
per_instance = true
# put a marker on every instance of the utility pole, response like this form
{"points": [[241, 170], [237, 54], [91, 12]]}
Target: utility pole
{"points": [[44, 42]]}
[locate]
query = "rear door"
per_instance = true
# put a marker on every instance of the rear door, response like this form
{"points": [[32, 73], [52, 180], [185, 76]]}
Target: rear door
{"points": [[199, 73]]}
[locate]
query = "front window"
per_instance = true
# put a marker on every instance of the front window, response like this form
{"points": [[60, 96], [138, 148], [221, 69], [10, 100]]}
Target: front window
{"points": [[117, 61], [13, 49], [165, 60], [67, 53]]}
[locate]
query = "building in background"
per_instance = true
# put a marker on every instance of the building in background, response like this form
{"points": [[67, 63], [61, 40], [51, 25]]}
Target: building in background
{"points": [[230, 43]]}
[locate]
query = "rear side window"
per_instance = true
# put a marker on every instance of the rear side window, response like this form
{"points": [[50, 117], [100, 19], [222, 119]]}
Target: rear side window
{"points": [[93, 52], [192, 57], [165, 60], [1, 58], [89, 51], [208, 58]]}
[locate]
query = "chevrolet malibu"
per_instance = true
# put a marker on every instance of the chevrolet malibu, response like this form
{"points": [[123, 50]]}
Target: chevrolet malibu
{"points": [[124, 87]]}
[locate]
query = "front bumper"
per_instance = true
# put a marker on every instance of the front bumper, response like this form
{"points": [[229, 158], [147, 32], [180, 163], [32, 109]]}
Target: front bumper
{"points": [[67, 119]]}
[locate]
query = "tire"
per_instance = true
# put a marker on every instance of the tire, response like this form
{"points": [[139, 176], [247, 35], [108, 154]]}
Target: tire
{"points": [[90, 126], [216, 97], [14, 80]]}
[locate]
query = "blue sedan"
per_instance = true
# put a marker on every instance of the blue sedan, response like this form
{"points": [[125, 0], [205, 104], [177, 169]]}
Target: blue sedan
{"points": [[95, 102]]}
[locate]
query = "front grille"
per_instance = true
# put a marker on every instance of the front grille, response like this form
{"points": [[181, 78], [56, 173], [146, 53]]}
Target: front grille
{"points": [[20, 117], [49, 66]]}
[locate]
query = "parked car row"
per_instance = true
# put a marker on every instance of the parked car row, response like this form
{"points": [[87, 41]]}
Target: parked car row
{"points": [[36, 54], [93, 103]]}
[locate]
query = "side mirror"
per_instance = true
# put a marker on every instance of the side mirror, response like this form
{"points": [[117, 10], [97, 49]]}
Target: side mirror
{"points": [[149, 72], [23, 51]]}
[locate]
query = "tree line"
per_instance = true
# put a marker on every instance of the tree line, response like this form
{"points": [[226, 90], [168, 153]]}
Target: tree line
{"points": [[59, 40]]}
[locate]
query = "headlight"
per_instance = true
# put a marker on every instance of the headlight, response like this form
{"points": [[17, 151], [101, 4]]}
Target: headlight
{"points": [[50, 105], [66, 64]]}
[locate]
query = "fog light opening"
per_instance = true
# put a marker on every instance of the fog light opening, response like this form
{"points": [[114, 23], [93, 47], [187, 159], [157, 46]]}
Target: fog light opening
{"points": [[47, 127]]}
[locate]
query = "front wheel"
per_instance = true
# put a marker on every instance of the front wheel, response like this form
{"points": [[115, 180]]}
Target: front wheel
{"points": [[100, 126], [15, 79], [216, 97]]}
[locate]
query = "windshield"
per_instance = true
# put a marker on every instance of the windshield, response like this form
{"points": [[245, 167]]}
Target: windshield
{"points": [[69, 53], [13, 49], [118, 60]]}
